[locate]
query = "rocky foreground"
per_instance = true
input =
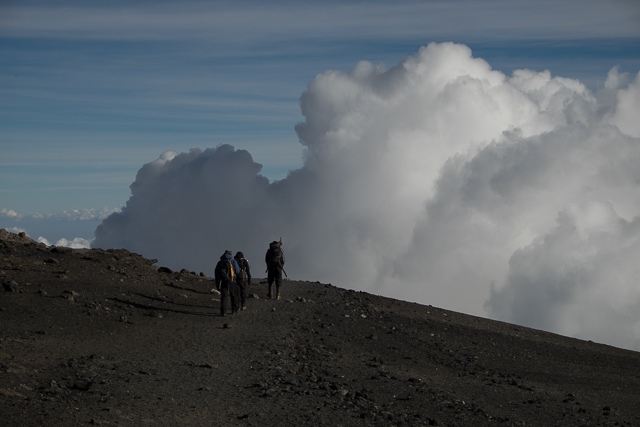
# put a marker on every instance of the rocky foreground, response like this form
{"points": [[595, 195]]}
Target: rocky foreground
{"points": [[107, 338]]}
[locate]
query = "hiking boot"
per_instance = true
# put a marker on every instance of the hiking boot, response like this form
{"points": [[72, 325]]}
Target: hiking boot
{"points": [[278, 298], [222, 314], [244, 307], [269, 295]]}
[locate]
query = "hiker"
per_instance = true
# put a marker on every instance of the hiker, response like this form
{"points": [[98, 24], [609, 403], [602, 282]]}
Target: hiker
{"points": [[244, 278], [225, 277], [275, 266]]}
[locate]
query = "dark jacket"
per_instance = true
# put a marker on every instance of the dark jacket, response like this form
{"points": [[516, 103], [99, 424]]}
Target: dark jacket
{"points": [[236, 269]]}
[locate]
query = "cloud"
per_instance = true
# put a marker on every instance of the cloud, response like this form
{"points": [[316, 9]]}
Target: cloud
{"points": [[76, 243], [579, 279], [9, 213], [439, 180], [57, 227], [16, 230]]}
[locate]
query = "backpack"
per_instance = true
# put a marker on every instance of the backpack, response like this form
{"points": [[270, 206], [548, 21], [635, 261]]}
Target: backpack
{"points": [[275, 259], [242, 277], [224, 271]]}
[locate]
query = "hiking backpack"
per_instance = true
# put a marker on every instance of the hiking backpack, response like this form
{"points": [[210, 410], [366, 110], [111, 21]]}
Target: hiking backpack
{"points": [[224, 270], [275, 259], [242, 276]]}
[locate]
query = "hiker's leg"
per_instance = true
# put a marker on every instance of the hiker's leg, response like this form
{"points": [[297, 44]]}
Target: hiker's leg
{"points": [[242, 287], [270, 277], [224, 296], [233, 293], [278, 280]]}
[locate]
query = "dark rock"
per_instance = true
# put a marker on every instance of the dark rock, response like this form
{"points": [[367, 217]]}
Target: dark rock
{"points": [[11, 286], [61, 250]]}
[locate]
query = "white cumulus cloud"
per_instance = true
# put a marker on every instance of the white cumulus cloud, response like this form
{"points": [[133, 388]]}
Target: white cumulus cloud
{"points": [[9, 213], [439, 180]]}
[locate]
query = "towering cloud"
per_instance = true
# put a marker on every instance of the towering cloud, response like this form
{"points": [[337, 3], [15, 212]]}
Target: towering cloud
{"points": [[439, 180]]}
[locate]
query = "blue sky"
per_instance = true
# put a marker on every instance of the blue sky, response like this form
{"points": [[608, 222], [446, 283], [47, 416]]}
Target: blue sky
{"points": [[91, 91]]}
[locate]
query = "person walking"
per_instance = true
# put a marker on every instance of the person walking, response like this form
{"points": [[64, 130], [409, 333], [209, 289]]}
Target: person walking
{"points": [[274, 259], [225, 277], [243, 279]]}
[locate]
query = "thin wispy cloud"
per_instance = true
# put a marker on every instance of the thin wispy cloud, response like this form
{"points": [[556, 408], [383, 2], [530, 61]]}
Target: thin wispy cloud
{"points": [[241, 21]]}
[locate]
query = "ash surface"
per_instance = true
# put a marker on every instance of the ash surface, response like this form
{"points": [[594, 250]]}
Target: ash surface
{"points": [[105, 337]]}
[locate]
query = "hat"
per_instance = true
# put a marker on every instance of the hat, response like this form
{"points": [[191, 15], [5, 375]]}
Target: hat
{"points": [[228, 252], [239, 255]]}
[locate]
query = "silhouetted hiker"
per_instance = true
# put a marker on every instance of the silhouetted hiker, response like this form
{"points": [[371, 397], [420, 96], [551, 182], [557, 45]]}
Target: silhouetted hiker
{"points": [[275, 266], [225, 277], [244, 278]]}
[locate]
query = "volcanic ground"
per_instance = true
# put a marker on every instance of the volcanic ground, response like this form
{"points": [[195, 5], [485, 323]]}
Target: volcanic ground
{"points": [[106, 337]]}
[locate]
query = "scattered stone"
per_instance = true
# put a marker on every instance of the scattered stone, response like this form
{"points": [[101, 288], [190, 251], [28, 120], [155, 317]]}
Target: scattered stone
{"points": [[83, 385], [8, 392], [61, 250], [51, 261], [165, 270], [11, 286], [70, 295], [254, 296]]}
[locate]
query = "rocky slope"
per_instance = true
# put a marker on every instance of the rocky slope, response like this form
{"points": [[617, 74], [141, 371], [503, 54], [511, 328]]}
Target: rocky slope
{"points": [[107, 338]]}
